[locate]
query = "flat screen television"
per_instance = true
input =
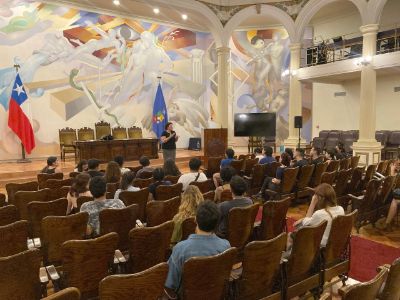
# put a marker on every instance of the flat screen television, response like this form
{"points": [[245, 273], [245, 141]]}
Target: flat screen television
{"points": [[255, 124]]}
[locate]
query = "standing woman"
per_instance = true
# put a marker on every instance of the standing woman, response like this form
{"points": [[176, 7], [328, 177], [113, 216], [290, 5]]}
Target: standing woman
{"points": [[168, 140]]}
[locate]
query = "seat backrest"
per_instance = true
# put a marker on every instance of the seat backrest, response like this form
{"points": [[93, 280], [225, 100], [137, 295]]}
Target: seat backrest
{"points": [[334, 134], [381, 137], [342, 178], [43, 177], [56, 230], [238, 165], [102, 129], [333, 165], [67, 136], [261, 272], [85, 134], [339, 238], [13, 238], [120, 221], [172, 179], [87, 262], [328, 177], [371, 169], [188, 227], [213, 166], [165, 192], [12, 188], [240, 224], [382, 166], [135, 132], [81, 200], [145, 175], [323, 134], [226, 195], [2, 200], [210, 287], [394, 138], [209, 196], [8, 214], [289, 180], [366, 290], [73, 174], [119, 133], [391, 290], [273, 220], [270, 169], [139, 198], [354, 161], [37, 211], [249, 165], [370, 195], [305, 252], [148, 245], [319, 142], [142, 183], [23, 198], [317, 176], [19, 275], [57, 193], [305, 175], [386, 187], [258, 175], [146, 285], [158, 212], [343, 164], [204, 186], [70, 293], [355, 183], [58, 183]]}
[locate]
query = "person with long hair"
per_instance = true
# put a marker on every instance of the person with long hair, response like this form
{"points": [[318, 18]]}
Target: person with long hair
{"points": [[79, 187], [113, 172], [82, 166], [226, 175], [170, 168], [126, 184], [191, 198]]}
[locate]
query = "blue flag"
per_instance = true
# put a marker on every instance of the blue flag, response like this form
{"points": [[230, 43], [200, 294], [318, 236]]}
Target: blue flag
{"points": [[160, 114]]}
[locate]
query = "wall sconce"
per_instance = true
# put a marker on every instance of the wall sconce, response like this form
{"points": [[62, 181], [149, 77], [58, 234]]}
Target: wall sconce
{"points": [[288, 72], [363, 60]]}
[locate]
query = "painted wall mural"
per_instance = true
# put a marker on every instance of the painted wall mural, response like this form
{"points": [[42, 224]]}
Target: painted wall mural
{"points": [[81, 67], [259, 58]]}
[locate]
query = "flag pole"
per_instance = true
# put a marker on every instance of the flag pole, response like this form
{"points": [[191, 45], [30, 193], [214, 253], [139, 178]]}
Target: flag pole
{"points": [[159, 82], [23, 160]]}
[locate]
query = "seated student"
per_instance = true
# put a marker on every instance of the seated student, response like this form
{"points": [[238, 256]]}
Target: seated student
{"points": [[203, 243], [193, 175], [290, 152], [229, 154], [340, 152], [126, 184], [299, 160], [120, 161], [145, 163], [267, 158], [52, 166], [158, 176], [324, 200], [191, 198], [97, 188], [258, 153], [82, 166], [113, 173], [273, 183], [226, 175], [316, 157], [238, 188], [79, 187], [93, 168], [170, 168], [392, 210], [330, 155]]}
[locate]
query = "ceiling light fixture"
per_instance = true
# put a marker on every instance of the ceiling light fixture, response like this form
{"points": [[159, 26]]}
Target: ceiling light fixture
{"points": [[184, 17], [156, 10], [116, 2]]}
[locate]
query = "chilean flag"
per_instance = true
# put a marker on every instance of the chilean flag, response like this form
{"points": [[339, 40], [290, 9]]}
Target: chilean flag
{"points": [[17, 120]]}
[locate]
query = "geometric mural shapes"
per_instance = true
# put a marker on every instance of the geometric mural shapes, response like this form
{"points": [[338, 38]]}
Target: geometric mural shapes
{"points": [[194, 90], [179, 38], [68, 103]]}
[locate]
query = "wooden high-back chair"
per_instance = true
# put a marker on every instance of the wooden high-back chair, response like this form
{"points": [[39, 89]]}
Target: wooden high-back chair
{"points": [[304, 260], [256, 178], [67, 137], [342, 178], [188, 227], [142, 183], [146, 285], [86, 262], [85, 134], [354, 160], [328, 177], [81, 200], [65, 294], [120, 221], [22, 199], [119, 133], [333, 166], [172, 179], [204, 186], [149, 245], [43, 177], [139, 198], [270, 169], [286, 186], [261, 273], [213, 166], [58, 183], [135, 132], [13, 238], [12, 188], [2, 200], [56, 230], [111, 189], [8, 214], [343, 164], [165, 192], [19, 275], [145, 175], [240, 225], [211, 287], [317, 176], [58, 188], [37, 211], [302, 186], [391, 289], [249, 165], [238, 165], [102, 129], [158, 212]]}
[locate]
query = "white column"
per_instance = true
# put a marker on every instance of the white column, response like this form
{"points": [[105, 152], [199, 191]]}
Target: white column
{"points": [[295, 97], [197, 69], [367, 147], [223, 87]]}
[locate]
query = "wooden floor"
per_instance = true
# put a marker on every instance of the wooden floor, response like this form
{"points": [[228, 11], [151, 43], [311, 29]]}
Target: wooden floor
{"points": [[16, 172]]}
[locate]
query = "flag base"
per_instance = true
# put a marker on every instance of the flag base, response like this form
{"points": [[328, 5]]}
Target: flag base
{"points": [[23, 161]]}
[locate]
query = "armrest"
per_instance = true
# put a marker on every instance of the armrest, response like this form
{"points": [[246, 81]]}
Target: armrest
{"points": [[51, 270], [44, 280], [119, 256], [357, 198], [385, 266], [271, 193], [345, 289], [120, 263], [34, 243]]}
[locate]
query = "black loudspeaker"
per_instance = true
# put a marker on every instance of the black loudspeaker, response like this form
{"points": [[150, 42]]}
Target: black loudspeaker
{"points": [[298, 122], [194, 144]]}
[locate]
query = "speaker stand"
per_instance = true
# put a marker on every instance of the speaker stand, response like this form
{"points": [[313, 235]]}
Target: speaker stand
{"points": [[298, 145]]}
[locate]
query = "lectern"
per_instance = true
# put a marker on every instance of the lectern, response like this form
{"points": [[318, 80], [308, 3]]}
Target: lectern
{"points": [[215, 142]]}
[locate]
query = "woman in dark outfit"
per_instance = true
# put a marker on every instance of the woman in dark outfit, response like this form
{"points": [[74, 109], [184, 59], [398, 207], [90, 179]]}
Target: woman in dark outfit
{"points": [[168, 140]]}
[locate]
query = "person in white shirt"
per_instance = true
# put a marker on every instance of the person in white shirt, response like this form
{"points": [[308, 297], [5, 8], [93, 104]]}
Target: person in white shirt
{"points": [[324, 200], [120, 161], [193, 175], [258, 153], [126, 184]]}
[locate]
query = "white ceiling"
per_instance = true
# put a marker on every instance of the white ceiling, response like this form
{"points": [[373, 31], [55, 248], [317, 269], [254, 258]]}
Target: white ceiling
{"points": [[240, 2]]}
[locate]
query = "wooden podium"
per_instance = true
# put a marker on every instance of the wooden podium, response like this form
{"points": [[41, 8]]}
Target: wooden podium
{"points": [[215, 142]]}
